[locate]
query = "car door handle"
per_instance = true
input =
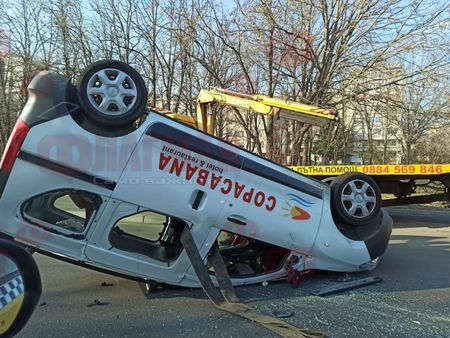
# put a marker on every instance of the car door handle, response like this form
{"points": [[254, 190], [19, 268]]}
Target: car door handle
{"points": [[197, 198], [237, 220]]}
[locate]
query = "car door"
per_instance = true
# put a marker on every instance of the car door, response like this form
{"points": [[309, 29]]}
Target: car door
{"points": [[176, 172], [274, 205]]}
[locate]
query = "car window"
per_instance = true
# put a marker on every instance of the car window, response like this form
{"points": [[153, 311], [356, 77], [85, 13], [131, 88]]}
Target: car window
{"points": [[149, 233], [68, 205], [245, 256], [67, 209], [146, 225]]}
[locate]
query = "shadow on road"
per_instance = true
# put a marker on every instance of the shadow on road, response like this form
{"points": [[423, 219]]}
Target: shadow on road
{"points": [[407, 217]]}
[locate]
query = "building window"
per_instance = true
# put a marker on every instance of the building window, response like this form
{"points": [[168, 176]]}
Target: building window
{"points": [[392, 131], [392, 143]]}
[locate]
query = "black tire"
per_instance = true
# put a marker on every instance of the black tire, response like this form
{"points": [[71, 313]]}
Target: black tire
{"points": [[356, 206], [328, 180], [123, 103]]}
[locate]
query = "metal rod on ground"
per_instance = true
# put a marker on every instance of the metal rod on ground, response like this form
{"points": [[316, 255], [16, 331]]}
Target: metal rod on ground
{"points": [[231, 302]]}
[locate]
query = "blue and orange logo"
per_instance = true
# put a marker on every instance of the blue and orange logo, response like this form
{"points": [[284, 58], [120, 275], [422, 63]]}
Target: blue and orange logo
{"points": [[294, 208]]}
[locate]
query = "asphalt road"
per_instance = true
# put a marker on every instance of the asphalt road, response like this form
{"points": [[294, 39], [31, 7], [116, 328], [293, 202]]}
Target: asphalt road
{"points": [[412, 301]]}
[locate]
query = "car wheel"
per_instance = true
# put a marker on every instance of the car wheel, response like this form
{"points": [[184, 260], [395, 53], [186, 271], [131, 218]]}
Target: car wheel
{"points": [[112, 94], [355, 199]]}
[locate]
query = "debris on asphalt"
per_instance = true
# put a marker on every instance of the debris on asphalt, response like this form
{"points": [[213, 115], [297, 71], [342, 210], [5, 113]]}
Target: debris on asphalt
{"points": [[264, 283], [283, 314], [43, 304], [106, 284], [97, 302], [346, 278], [344, 286]]}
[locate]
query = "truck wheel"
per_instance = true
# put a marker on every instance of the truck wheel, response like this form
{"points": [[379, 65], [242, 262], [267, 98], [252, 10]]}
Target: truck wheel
{"points": [[112, 93], [355, 199]]}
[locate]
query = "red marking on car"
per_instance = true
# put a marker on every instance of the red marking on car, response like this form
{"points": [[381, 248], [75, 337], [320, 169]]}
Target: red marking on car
{"points": [[200, 176], [13, 145], [299, 214], [295, 212]]}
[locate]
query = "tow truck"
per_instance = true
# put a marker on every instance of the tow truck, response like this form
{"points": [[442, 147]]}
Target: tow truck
{"points": [[398, 182]]}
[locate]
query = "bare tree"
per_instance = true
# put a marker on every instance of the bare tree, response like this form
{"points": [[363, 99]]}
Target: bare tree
{"points": [[434, 147], [421, 109], [25, 36], [332, 53]]}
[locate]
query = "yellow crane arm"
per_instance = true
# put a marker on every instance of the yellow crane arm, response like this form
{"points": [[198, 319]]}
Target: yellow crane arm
{"points": [[257, 103], [260, 104]]}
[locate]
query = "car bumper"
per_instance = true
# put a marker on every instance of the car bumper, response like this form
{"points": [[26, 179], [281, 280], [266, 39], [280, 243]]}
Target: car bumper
{"points": [[378, 242]]}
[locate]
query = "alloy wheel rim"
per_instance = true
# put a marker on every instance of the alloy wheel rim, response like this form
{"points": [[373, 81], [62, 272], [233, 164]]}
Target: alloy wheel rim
{"points": [[112, 92], [358, 198]]}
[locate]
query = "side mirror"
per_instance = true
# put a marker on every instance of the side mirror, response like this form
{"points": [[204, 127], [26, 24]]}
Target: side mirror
{"points": [[20, 287]]}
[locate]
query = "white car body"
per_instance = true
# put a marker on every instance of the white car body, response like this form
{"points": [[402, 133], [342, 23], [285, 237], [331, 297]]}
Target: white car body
{"points": [[172, 169]]}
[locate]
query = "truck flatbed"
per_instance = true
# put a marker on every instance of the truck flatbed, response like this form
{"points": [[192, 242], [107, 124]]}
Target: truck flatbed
{"points": [[401, 180]]}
